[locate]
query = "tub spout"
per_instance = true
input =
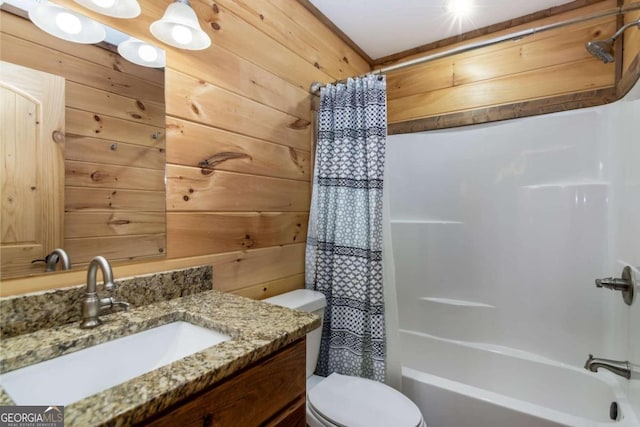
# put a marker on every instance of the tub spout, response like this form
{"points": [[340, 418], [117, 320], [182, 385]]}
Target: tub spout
{"points": [[618, 367]]}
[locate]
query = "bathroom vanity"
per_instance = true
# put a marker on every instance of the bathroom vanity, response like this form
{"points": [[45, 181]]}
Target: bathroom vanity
{"points": [[256, 377]]}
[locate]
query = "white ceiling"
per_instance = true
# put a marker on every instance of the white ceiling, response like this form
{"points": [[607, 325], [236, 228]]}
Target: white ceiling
{"points": [[384, 27]]}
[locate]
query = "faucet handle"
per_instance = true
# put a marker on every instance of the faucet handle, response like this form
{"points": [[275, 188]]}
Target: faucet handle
{"points": [[122, 304], [109, 303], [625, 284]]}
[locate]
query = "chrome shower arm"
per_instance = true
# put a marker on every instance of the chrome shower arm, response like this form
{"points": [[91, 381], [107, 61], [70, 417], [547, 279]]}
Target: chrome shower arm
{"points": [[624, 28]]}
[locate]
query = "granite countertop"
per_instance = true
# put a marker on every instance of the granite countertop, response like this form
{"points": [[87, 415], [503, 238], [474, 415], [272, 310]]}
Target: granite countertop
{"points": [[257, 330]]}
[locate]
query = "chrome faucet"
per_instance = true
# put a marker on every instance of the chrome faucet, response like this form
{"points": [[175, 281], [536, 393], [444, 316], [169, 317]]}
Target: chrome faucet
{"points": [[56, 255], [92, 305], [618, 367]]}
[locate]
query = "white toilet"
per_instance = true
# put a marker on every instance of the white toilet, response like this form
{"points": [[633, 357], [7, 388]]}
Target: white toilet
{"points": [[341, 400]]}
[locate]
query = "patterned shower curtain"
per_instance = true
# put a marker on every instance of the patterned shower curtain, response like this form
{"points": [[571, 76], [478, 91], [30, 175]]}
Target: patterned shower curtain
{"points": [[344, 243]]}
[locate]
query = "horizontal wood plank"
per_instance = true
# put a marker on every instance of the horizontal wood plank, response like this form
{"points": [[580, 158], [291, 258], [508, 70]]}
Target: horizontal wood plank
{"points": [[101, 102], [117, 223], [272, 288], [232, 270], [489, 63], [77, 70], [85, 123], [24, 29], [240, 37], [506, 112], [217, 149], [243, 78], [117, 248], [104, 151], [271, 20], [91, 199], [204, 103], [193, 189], [551, 81], [95, 175], [559, 13], [195, 234], [593, 8], [259, 266]]}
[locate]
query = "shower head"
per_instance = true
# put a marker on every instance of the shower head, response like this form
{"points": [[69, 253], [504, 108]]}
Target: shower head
{"points": [[603, 49]]}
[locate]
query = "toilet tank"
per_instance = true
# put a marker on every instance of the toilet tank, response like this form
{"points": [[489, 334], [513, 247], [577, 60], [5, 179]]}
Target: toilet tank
{"points": [[309, 301]]}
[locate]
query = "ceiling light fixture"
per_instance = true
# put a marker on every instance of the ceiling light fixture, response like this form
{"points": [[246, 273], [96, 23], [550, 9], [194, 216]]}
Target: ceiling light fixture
{"points": [[461, 9], [66, 24], [116, 8], [141, 53], [179, 27]]}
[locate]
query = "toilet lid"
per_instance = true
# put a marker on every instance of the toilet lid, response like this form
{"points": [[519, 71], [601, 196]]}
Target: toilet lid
{"points": [[354, 402]]}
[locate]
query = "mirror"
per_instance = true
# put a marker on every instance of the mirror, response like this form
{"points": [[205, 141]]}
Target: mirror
{"points": [[112, 150]]}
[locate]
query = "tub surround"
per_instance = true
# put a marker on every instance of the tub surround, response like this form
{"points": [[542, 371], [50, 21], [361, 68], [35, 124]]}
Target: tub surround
{"points": [[28, 313], [257, 330]]}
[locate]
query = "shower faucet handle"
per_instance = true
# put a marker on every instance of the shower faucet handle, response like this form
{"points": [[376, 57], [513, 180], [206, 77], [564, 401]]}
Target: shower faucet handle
{"points": [[613, 283], [624, 284]]}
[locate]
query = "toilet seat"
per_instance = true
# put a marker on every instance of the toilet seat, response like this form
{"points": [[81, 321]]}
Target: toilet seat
{"points": [[343, 400]]}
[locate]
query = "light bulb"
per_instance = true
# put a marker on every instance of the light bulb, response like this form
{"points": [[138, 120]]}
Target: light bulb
{"points": [[147, 53], [181, 34], [68, 23], [460, 8], [105, 4]]}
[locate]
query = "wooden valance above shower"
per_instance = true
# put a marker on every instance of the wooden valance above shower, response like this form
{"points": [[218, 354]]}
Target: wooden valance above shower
{"points": [[543, 73]]}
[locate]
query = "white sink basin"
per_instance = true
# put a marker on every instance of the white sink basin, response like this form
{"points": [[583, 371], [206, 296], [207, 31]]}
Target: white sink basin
{"points": [[74, 376]]}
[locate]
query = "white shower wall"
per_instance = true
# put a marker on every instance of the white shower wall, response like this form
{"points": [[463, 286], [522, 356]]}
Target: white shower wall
{"points": [[499, 231]]}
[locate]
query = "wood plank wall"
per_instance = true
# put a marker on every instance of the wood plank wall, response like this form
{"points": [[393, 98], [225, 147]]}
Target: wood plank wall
{"points": [[114, 169], [238, 124], [238, 142], [545, 72]]}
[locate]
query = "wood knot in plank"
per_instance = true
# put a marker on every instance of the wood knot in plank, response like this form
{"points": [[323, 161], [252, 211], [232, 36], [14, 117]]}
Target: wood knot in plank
{"points": [[248, 242], [173, 126], [216, 159], [57, 136], [215, 8], [119, 222], [299, 124], [215, 26], [98, 176], [294, 155], [140, 105]]}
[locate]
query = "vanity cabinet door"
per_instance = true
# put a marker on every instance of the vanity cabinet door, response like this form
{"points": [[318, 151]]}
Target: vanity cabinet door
{"points": [[270, 393]]}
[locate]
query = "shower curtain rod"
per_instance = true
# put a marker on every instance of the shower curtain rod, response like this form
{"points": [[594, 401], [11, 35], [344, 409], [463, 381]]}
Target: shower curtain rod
{"points": [[621, 10]]}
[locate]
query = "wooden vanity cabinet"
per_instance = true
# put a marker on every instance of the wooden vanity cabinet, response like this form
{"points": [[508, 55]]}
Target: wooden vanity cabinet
{"points": [[271, 393]]}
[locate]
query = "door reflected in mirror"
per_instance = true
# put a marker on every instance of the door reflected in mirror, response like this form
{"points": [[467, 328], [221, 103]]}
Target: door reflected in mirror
{"points": [[94, 183]]}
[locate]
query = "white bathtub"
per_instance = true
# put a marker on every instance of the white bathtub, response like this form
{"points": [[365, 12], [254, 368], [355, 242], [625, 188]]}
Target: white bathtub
{"points": [[459, 384]]}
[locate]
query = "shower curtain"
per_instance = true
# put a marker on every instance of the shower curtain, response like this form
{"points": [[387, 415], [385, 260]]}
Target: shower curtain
{"points": [[344, 243]]}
